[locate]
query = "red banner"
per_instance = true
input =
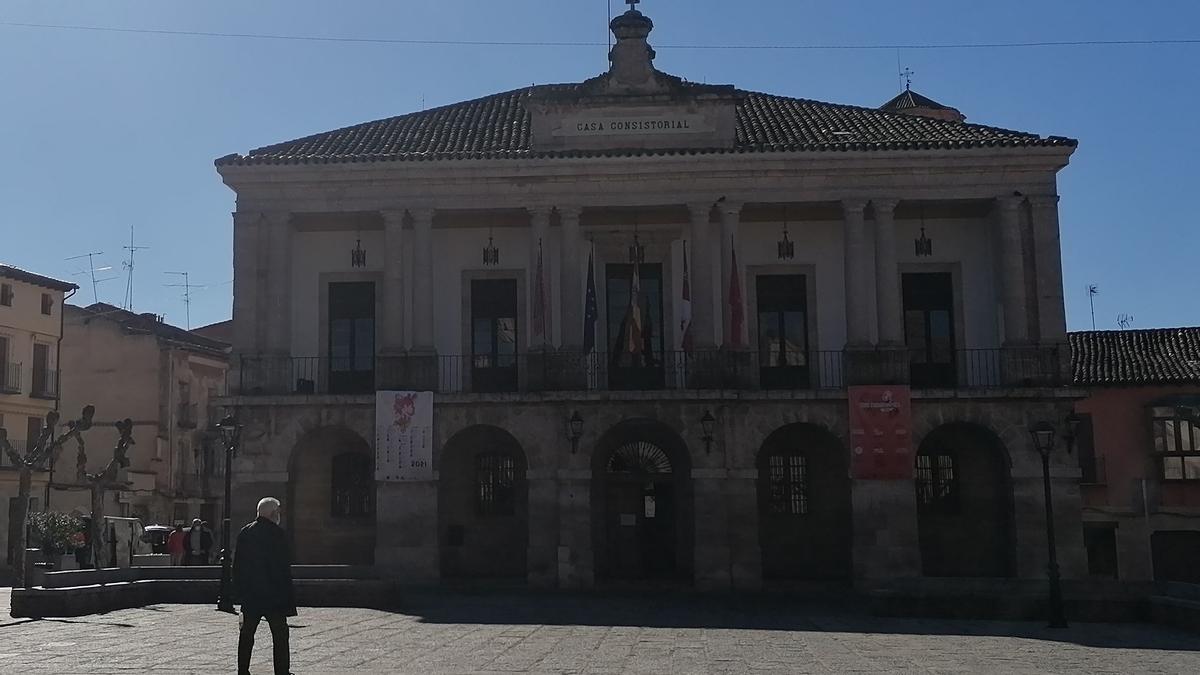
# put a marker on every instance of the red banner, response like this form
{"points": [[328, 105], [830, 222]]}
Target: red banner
{"points": [[881, 433]]}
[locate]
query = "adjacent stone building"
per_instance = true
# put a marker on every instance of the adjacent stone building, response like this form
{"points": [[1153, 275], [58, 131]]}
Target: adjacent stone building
{"points": [[1139, 451], [30, 326], [642, 305], [167, 380]]}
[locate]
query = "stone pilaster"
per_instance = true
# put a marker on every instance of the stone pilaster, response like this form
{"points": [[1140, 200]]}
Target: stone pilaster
{"points": [[406, 541], [1012, 270], [731, 214], [887, 277], [712, 552], [1052, 318], [392, 342], [246, 300], [542, 561], [423, 326], [858, 289], [539, 228], [571, 271], [279, 284], [700, 272], [576, 568]]}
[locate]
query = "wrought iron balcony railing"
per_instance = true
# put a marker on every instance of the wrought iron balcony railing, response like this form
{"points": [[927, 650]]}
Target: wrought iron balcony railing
{"points": [[552, 371], [10, 378]]}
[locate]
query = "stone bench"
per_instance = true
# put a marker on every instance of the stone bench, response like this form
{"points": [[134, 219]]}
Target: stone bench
{"points": [[82, 592], [1177, 605]]}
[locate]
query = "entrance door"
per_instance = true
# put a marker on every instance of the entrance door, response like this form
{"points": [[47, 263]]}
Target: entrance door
{"points": [[352, 337], [635, 363], [929, 328], [43, 380], [640, 513]]}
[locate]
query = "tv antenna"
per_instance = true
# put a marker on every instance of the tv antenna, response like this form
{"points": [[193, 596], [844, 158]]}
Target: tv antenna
{"points": [[1093, 290], [1125, 321], [128, 265], [92, 269], [187, 295]]}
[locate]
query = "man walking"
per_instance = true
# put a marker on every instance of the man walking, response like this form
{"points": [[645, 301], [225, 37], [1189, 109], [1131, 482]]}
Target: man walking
{"points": [[262, 579]]}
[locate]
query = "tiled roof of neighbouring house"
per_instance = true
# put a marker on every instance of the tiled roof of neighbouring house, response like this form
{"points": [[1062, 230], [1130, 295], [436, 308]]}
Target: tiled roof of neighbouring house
{"points": [[499, 127], [150, 324], [909, 99], [1133, 357], [11, 272]]}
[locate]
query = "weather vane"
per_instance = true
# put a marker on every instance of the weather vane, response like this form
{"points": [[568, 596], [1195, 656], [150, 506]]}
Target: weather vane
{"points": [[632, 3], [907, 74]]}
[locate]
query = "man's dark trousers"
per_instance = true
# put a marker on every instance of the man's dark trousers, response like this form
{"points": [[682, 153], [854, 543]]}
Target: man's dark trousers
{"points": [[279, 637]]}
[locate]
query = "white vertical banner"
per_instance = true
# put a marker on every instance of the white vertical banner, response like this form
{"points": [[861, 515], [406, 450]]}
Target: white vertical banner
{"points": [[403, 435]]}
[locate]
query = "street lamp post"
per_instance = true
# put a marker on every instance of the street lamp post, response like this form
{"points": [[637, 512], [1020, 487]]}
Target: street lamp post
{"points": [[1043, 439], [230, 432]]}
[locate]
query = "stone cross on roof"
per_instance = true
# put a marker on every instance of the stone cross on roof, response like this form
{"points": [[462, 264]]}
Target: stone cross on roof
{"points": [[632, 3]]}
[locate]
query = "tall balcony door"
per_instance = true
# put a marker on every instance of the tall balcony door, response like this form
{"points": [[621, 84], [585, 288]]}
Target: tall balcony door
{"points": [[783, 350], [929, 328], [635, 343], [494, 335], [352, 337], [43, 378]]}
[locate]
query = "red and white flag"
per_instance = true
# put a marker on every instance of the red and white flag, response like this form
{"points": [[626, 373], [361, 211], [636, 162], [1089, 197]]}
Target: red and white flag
{"points": [[685, 307], [737, 318], [633, 320]]}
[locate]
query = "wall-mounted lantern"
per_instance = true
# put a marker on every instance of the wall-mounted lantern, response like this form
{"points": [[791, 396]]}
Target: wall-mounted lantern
{"points": [[707, 424], [358, 255], [786, 248], [575, 431], [491, 254]]}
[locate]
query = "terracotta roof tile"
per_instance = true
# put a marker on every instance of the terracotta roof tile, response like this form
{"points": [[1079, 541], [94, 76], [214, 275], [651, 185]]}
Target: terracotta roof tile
{"points": [[1136, 357], [499, 127]]}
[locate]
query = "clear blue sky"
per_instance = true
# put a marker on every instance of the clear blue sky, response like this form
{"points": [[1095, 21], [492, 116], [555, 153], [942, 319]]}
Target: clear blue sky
{"points": [[105, 130]]}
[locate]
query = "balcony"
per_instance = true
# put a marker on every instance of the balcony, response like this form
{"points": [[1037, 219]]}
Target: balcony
{"points": [[45, 384], [10, 378], [553, 371]]}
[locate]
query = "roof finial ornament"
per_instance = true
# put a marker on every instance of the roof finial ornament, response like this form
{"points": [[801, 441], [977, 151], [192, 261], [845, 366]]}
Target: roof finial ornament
{"points": [[633, 4], [907, 74]]}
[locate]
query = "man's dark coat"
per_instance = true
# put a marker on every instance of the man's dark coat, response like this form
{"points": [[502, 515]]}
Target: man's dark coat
{"points": [[262, 571]]}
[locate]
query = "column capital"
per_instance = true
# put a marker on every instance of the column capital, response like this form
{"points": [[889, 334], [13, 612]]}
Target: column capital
{"points": [[855, 205], [1006, 203], [422, 214], [730, 209], [699, 210], [884, 206], [539, 216], [1043, 201], [572, 211], [392, 216]]}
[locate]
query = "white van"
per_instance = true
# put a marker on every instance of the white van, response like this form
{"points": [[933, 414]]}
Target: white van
{"points": [[122, 539]]}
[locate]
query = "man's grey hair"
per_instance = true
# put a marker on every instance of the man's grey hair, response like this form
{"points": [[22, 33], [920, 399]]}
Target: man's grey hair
{"points": [[268, 507]]}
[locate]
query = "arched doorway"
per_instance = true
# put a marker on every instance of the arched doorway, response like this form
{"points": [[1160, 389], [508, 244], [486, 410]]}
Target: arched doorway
{"points": [[483, 506], [642, 504], [964, 503], [804, 504], [330, 507]]}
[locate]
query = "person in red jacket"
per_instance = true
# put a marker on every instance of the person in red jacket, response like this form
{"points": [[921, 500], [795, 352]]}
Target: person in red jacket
{"points": [[175, 545]]}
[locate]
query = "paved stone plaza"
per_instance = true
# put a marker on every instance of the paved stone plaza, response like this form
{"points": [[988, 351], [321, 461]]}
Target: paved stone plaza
{"points": [[589, 634]]}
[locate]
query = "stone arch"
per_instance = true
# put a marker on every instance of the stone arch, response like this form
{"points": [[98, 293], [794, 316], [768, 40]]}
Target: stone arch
{"points": [[804, 505], [332, 522], [483, 505], [642, 515], [964, 502]]}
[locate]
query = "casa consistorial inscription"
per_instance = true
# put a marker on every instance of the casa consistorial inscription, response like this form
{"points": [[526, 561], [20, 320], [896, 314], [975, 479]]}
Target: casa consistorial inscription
{"points": [[622, 125]]}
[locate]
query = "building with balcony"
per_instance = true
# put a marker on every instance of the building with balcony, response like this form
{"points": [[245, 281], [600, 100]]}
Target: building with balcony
{"points": [[642, 305], [167, 380], [1139, 451], [30, 326]]}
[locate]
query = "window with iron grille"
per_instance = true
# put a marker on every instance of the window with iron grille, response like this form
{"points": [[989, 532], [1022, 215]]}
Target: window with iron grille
{"points": [[353, 487], [1177, 443], [787, 478], [495, 493], [937, 483]]}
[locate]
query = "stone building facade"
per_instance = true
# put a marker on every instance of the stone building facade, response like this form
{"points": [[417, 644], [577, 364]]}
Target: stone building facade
{"points": [[696, 432]]}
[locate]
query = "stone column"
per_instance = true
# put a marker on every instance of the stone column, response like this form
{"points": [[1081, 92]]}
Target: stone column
{"points": [[571, 271], [858, 291], [1012, 270], [700, 273], [1051, 312], [423, 326], [731, 213], [392, 343], [539, 227], [887, 276]]}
